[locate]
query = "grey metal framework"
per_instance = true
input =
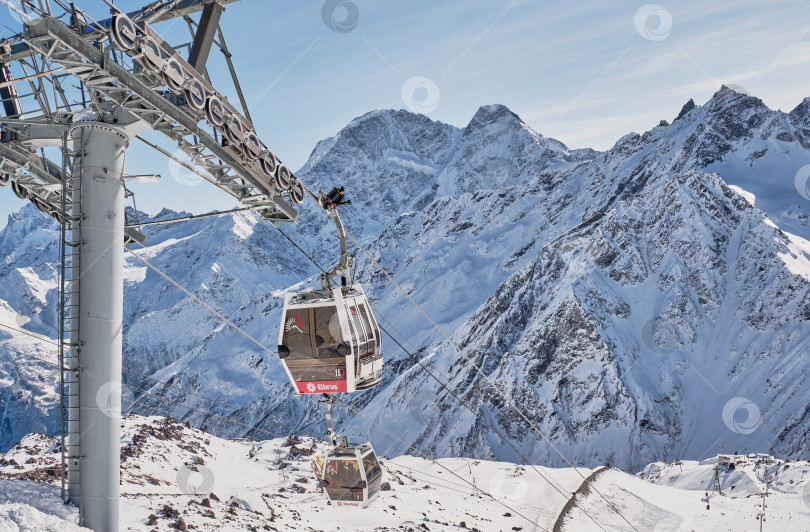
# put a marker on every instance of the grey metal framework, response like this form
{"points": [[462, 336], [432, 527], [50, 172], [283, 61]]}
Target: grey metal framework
{"points": [[74, 91], [48, 43]]}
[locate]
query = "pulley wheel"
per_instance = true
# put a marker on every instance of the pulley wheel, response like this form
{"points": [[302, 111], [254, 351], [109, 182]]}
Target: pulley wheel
{"points": [[297, 192], [19, 191], [234, 130], [215, 112], [174, 75], [252, 145], [40, 205], [195, 94], [283, 178], [124, 33], [268, 163], [152, 57]]}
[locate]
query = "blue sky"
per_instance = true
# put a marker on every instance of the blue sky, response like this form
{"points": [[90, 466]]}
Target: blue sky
{"points": [[585, 73]]}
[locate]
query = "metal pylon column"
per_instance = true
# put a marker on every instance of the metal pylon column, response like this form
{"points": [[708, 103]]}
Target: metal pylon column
{"points": [[97, 286]]}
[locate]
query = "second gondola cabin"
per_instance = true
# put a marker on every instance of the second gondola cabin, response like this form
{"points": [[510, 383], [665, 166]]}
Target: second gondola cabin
{"points": [[350, 476], [329, 341]]}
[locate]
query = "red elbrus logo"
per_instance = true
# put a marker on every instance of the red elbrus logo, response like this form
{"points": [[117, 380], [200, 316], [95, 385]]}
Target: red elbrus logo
{"points": [[322, 386], [294, 323]]}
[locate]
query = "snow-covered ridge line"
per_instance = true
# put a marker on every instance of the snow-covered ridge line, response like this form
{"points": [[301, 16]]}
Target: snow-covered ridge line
{"points": [[176, 477]]}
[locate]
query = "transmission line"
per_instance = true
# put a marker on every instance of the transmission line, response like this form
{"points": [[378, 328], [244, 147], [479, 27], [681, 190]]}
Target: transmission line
{"points": [[486, 377], [201, 302], [553, 484], [423, 455], [232, 421], [134, 372]]}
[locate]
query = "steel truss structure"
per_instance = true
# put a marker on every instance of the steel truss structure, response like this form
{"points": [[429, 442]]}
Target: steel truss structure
{"points": [[150, 81], [74, 91]]}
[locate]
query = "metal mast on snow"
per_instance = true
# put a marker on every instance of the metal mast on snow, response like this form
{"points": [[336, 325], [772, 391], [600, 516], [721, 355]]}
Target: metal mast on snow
{"points": [[68, 159]]}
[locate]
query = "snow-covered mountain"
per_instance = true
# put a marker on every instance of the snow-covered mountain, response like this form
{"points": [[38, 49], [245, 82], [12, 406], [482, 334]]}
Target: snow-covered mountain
{"points": [[175, 477], [28, 300], [647, 302]]}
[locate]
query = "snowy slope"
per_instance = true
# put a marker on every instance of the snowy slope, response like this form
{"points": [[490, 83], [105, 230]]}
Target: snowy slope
{"points": [[623, 298], [175, 474], [689, 507], [28, 300]]}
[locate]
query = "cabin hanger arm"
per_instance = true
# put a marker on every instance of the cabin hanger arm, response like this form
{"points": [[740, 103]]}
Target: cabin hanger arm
{"points": [[330, 202]]}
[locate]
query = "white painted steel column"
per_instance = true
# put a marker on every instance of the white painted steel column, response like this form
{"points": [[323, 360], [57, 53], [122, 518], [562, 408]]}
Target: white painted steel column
{"points": [[99, 188]]}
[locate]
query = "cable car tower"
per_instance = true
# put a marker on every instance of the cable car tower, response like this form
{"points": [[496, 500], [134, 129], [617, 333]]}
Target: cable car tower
{"points": [[75, 91]]}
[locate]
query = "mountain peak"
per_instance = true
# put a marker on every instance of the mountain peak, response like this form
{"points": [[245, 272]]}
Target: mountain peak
{"points": [[732, 95], [495, 109], [800, 115], [688, 106], [29, 217], [370, 115], [733, 88], [166, 214], [497, 119], [489, 114]]}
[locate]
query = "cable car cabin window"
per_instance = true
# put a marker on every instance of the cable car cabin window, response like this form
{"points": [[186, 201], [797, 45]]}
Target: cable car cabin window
{"points": [[328, 337], [312, 333], [373, 331], [297, 341], [361, 338], [343, 480], [312, 346], [373, 473], [371, 465]]}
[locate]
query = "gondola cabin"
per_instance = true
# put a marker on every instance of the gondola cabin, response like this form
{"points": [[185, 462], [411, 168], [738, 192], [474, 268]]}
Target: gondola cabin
{"points": [[329, 341], [350, 476]]}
